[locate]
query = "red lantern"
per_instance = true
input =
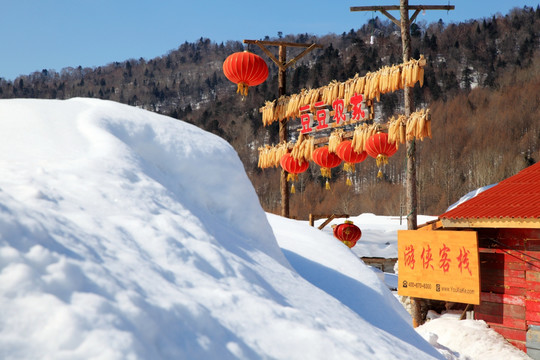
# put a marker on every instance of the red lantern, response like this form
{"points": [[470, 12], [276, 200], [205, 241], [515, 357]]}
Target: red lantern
{"points": [[346, 152], [293, 167], [378, 147], [245, 69], [348, 233], [326, 160]]}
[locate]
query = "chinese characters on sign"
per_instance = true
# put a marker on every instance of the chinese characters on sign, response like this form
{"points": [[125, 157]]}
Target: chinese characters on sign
{"points": [[444, 260], [440, 265], [323, 118]]}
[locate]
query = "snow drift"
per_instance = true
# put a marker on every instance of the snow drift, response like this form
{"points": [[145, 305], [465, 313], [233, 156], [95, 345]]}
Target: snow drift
{"points": [[129, 235]]}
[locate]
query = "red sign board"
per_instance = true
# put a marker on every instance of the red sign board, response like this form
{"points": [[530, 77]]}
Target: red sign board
{"points": [[323, 118]]}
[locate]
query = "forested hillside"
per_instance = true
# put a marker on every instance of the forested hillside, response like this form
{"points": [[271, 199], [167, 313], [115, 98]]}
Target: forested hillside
{"points": [[482, 86]]}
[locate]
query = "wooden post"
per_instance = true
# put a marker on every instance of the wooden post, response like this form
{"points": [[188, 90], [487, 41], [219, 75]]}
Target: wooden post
{"points": [[409, 109], [412, 213], [404, 24], [282, 64], [283, 133]]}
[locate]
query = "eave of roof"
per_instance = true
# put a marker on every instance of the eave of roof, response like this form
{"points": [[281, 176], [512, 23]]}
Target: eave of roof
{"points": [[513, 203], [491, 223]]}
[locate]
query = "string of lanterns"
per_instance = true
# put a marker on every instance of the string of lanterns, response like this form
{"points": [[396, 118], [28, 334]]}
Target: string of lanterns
{"points": [[367, 141], [247, 69]]}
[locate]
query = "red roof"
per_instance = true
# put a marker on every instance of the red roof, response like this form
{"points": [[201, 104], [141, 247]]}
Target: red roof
{"points": [[517, 197]]}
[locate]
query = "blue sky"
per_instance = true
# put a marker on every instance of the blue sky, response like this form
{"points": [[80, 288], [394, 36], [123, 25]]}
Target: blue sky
{"points": [[54, 34]]}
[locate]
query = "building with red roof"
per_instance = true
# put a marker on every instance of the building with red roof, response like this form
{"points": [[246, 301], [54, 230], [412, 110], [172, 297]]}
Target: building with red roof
{"points": [[506, 218]]}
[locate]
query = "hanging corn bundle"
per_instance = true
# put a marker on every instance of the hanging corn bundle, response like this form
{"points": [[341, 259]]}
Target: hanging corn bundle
{"points": [[330, 92], [372, 85], [416, 126], [281, 108], [303, 149], [397, 130], [419, 125], [349, 90], [361, 134], [269, 156], [268, 112], [413, 72], [336, 137]]}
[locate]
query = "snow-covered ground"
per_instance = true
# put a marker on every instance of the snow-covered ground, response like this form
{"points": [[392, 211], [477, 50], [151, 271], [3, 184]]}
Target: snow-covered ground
{"points": [[379, 233], [129, 235]]}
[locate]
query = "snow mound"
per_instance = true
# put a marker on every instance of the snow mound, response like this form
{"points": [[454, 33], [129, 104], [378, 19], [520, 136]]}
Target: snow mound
{"points": [[474, 339], [129, 235]]}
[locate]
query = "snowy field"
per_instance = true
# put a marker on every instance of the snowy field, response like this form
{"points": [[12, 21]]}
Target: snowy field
{"points": [[130, 235]]}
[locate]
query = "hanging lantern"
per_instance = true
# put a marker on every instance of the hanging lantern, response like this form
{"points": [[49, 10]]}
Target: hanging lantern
{"points": [[346, 152], [293, 167], [348, 233], [245, 69], [326, 160], [378, 147]]}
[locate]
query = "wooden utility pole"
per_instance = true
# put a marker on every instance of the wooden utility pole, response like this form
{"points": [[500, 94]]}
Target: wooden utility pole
{"points": [[404, 24], [282, 64]]}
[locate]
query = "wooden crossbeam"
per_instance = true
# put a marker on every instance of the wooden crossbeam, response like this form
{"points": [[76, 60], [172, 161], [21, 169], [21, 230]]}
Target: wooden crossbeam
{"points": [[384, 10], [296, 58], [279, 43], [270, 55], [397, 7], [391, 17], [313, 217], [262, 44]]}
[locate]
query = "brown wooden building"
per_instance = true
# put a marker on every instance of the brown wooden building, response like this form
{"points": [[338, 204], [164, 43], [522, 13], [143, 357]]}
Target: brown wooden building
{"points": [[506, 218]]}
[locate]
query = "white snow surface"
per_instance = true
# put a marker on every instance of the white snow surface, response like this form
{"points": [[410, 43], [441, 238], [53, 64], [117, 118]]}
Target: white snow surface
{"points": [[129, 235], [469, 196], [473, 338], [379, 233]]}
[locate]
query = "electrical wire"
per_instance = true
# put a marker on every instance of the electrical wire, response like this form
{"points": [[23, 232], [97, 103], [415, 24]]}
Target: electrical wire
{"points": [[518, 251]]}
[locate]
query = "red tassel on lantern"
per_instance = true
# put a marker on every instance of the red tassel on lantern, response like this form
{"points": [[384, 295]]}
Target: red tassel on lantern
{"points": [[293, 167], [346, 152], [326, 160], [378, 147]]}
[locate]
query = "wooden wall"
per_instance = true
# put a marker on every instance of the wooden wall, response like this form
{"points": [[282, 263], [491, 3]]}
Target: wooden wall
{"points": [[510, 281], [383, 264]]}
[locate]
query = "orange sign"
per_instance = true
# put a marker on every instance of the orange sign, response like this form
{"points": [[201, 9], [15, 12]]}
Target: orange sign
{"points": [[440, 265]]}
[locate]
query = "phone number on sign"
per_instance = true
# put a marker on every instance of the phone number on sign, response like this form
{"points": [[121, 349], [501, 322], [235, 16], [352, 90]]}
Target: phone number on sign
{"points": [[417, 285]]}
